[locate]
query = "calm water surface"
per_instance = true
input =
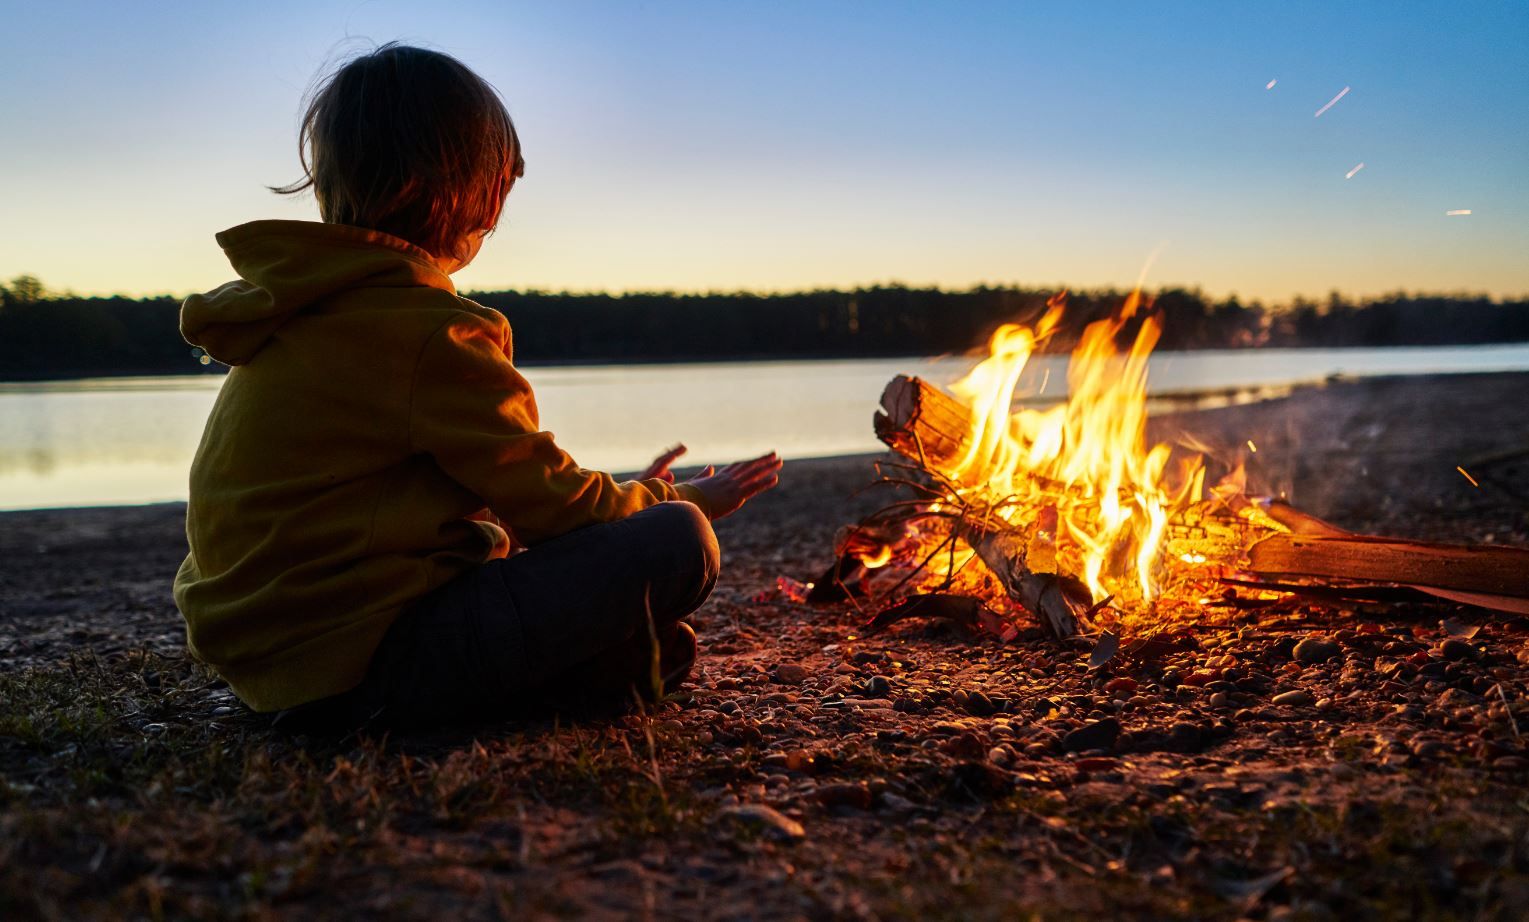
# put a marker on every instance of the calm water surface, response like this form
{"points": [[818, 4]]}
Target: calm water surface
{"points": [[130, 440]]}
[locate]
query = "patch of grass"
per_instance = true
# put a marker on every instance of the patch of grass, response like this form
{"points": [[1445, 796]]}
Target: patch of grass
{"points": [[121, 794]]}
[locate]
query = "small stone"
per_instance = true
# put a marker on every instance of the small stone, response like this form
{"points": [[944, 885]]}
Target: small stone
{"points": [[1455, 649], [1220, 700], [980, 780], [765, 819], [877, 686], [1316, 650], [1298, 698], [1123, 685], [898, 802], [790, 674], [1099, 734], [222, 711], [1184, 735], [846, 794], [979, 704], [1429, 749], [967, 746]]}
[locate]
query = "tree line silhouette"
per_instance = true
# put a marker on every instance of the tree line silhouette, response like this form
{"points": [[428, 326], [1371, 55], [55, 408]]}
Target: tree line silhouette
{"points": [[51, 335]]}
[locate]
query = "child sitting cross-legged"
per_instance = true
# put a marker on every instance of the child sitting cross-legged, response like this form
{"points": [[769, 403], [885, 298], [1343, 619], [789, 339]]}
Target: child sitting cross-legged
{"points": [[374, 455]]}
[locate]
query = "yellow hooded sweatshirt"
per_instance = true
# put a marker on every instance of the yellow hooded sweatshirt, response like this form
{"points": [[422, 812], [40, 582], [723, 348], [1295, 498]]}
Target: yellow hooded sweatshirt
{"points": [[371, 420]]}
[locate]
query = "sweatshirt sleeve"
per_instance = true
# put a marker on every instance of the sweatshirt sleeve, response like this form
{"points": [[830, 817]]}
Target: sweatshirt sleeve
{"points": [[474, 413]]}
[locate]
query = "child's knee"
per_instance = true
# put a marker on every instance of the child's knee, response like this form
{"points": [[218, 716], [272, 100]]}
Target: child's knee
{"points": [[686, 536]]}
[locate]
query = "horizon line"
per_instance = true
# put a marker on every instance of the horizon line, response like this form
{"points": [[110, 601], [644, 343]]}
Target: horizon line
{"points": [[890, 284]]}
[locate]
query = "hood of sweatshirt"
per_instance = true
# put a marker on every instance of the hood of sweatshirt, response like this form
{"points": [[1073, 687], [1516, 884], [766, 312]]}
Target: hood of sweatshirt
{"points": [[285, 267]]}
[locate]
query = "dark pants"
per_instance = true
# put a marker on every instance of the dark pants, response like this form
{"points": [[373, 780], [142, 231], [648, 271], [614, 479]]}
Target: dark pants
{"points": [[571, 617]]}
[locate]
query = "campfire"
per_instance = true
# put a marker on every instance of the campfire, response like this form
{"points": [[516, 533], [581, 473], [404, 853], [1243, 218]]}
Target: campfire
{"points": [[1065, 515]]}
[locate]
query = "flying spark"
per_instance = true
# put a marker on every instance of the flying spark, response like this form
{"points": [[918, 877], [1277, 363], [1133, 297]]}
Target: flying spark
{"points": [[1350, 173], [1457, 211], [1251, 447], [1331, 102], [1467, 476], [1270, 84]]}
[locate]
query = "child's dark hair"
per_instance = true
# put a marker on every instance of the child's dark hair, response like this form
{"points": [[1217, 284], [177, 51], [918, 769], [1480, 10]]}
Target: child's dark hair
{"points": [[412, 143]]}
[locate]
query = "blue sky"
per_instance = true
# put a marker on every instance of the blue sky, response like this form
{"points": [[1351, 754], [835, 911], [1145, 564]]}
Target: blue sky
{"points": [[791, 145]]}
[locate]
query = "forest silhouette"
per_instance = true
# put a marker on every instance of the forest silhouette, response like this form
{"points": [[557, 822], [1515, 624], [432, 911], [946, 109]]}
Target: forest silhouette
{"points": [[47, 335]]}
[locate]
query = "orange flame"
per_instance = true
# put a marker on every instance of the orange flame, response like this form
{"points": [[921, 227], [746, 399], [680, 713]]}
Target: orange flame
{"points": [[1087, 457]]}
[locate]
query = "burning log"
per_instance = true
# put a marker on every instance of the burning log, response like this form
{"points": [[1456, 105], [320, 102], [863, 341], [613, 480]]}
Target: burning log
{"points": [[1061, 604], [932, 429], [924, 424]]}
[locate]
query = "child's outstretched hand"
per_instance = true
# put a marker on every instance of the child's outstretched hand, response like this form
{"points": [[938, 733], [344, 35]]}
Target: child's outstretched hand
{"points": [[659, 469], [736, 484]]}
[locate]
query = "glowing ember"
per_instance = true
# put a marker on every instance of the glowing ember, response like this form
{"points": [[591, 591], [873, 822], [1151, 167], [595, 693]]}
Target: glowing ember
{"points": [[1466, 474], [1331, 102], [1350, 173]]}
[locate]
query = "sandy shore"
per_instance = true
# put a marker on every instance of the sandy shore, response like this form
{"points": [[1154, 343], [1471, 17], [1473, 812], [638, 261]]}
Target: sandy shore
{"points": [[1377, 455], [932, 775]]}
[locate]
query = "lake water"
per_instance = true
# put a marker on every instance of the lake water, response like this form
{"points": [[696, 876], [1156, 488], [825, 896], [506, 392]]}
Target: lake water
{"points": [[112, 441]]}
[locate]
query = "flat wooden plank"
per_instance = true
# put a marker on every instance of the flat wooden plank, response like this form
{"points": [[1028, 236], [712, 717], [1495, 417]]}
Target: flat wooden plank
{"points": [[1485, 568]]}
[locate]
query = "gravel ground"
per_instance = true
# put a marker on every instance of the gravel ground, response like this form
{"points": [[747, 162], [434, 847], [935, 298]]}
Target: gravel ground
{"points": [[1297, 761]]}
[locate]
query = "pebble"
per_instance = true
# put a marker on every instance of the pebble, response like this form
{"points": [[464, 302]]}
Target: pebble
{"points": [[765, 819], [1455, 649], [799, 760], [1124, 684], [979, 704], [1298, 698], [1100, 734], [846, 794], [790, 674], [877, 686], [222, 711], [1185, 734], [1316, 649]]}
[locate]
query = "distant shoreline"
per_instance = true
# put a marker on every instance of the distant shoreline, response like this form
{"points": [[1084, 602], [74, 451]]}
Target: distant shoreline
{"points": [[9, 377]]}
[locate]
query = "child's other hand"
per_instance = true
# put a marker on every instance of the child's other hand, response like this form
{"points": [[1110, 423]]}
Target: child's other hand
{"points": [[736, 484], [659, 469]]}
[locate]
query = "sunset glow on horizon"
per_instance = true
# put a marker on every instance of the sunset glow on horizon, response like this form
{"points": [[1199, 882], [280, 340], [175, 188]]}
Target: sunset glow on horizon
{"points": [[695, 147]]}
